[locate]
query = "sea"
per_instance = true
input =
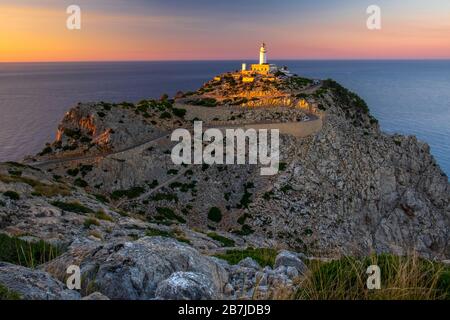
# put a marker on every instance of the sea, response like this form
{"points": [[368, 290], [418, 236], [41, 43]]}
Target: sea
{"points": [[408, 97]]}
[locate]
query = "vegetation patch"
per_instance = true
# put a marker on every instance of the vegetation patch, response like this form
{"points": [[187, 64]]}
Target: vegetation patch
{"points": [[88, 222], [214, 214], [129, 193], [167, 213], [24, 253], [179, 112], [12, 195], [167, 234], [6, 294], [402, 278], [264, 256], [164, 196], [346, 97], [246, 197], [226, 242], [47, 190], [80, 183], [102, 215], [205, 102], [72, 207], [244, 231], [101, 198]]}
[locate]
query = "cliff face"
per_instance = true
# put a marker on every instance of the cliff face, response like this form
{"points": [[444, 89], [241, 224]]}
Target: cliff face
{"points": [[352, 190], [106, 189]]}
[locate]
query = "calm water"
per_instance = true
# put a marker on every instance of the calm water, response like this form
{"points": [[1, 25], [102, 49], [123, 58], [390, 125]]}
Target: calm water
{"points": [[408, 97]]}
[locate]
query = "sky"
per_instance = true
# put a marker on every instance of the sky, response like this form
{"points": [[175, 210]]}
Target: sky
{"points": [[112, 30]]}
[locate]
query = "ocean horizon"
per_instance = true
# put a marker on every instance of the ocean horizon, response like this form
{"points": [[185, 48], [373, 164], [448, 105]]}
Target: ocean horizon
{"points": [[409, 97]]}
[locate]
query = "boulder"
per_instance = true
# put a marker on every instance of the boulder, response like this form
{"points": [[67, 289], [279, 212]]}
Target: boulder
{"points": [[133, 270], [186, 286], [289, 259], [249, 263], [34, 284]]}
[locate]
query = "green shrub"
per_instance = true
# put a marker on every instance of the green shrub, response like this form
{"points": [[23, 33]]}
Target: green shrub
{"points": [[226, 242], [167, 213], [215, 214], [101, 198], [80, 183], [129, 193], [164, 196], [245, 230], [205, 102], [6, 294], [28, 254], [166, 234], [158, 233], [165, 115], [12, 195], [46, 150], [264, 256], [179, 112], [72, 207], [73, 172], [282, 166]]}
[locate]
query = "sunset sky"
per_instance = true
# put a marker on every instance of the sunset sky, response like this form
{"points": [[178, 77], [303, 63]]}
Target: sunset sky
{"points": [[35, 30]]}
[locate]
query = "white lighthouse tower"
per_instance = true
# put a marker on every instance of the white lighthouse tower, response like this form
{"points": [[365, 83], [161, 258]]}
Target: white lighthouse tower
{"points": [[263, 54]]}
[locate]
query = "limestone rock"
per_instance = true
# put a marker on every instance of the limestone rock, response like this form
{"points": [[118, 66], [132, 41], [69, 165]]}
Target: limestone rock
{"points": [[34, 284], [289, 259], [186, 286]]}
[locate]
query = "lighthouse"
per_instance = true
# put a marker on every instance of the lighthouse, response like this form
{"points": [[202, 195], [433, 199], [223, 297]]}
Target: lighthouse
{"points": [[263, 54], [263, 68]]}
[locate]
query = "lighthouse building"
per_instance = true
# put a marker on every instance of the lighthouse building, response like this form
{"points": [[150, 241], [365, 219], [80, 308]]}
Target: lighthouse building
{"points": [[263, 67]]}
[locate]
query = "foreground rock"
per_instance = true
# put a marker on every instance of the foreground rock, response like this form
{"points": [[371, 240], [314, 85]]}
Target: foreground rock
{"points": [[133, 270], [34, 284]]}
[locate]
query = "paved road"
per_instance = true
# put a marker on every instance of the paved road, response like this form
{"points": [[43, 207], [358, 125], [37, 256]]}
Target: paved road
{"points": [[310, 126]]}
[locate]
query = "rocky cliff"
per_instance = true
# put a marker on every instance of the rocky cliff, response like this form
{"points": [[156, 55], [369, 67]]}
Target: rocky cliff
{"points": [[107, 194]]}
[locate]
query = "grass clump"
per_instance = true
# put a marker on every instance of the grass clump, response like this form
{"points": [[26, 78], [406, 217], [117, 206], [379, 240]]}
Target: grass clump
{"points": [[6, 294], [167, 234], [167, 213], [88, 222], [101, 198], [43, 189], [102, 215], [72, 207], [24, 253], [215, 214], [264, 256], [226, 242], [402, 278]]}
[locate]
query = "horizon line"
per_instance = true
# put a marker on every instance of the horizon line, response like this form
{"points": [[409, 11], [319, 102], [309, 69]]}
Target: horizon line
{"points": [[231, 60]]}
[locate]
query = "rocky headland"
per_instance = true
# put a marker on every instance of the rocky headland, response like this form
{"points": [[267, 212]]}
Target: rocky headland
{"points": [[105, 196]]}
